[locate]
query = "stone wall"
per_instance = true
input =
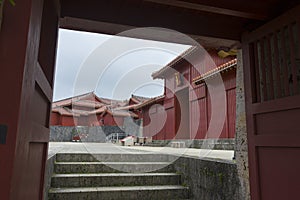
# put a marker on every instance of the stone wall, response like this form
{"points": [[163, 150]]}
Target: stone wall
{"points": [[49, 171], [132, 127], [241, 147], [216, 144], [88, 134], [210, 179], [93, 133], [61, 133]]}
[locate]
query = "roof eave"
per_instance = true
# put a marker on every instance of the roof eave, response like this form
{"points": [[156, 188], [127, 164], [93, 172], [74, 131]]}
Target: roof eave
{"points": [[200, 79]]}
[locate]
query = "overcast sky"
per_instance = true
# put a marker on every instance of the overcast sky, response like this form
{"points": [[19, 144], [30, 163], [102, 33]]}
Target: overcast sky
{"points": [[113, 67]]}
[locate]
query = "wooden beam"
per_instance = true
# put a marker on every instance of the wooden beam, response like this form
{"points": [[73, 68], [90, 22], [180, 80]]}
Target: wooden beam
{"points": [[151, 33], [190, 23], [210, 9], [78, 24]]}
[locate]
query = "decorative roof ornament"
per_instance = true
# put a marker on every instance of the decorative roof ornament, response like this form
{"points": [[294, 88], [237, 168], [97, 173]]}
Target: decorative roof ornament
{"points": [[224, 53]]}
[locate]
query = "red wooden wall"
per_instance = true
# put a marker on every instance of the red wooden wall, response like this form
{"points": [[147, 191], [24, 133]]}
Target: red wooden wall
{"points": [[110, 120], [203, 100], [68, 121], [199, 104], [92, 120], [207, 63], [55, 119], [152, 116]]}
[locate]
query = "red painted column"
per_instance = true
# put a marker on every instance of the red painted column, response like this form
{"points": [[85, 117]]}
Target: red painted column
{"points": [[26, 84], [13, 45]]}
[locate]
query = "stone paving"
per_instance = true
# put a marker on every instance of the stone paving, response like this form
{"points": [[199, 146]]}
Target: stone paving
{"points": [[96, 148]]}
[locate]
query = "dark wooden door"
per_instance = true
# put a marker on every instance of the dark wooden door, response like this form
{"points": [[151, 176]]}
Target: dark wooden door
{"points": [[182, 121], [271, 57], [33, 80]]}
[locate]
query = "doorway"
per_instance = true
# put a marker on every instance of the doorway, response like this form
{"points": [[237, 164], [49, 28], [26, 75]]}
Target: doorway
{"points": [[182, 116]]}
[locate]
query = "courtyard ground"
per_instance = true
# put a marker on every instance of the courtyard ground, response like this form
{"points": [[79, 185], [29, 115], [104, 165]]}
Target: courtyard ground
{"points": [[97, 148]]}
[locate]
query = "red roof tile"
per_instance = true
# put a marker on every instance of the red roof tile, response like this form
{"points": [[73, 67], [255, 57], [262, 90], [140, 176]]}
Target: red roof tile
{"points": [[88, 103], [100, 105], [220, 68], [159, 73], [129, 107], [138, 99], [150, 101], [121, 113], [64, 111], [99, 110]]}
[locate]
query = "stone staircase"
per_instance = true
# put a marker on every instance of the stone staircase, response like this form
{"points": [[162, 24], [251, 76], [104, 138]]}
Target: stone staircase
{"points": [[115, 176]]}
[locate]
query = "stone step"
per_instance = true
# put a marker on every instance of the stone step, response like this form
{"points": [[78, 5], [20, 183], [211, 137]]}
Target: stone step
{"points": [[108, 193], [112, 167], [114, 179], [134, 157]]}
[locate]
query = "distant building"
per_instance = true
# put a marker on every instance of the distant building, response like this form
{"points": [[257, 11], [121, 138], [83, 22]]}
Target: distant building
{"points": [[91, 110], [151, 114]]}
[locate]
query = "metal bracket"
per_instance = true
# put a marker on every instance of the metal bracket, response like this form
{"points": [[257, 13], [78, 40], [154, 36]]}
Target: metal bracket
{"points": [[3, 134]]}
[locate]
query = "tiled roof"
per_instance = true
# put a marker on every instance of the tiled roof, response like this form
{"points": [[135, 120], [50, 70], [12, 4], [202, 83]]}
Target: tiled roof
{"points": [[65, 111], [138, 99], [99, 110], [97, 104], [112, 102], [89, 100], [221, 68], [159, 73], [129, 107], [79, 112], [102, 110], [88, 103], [65, 102], [121, 113], [150, 101], [69, 101]]}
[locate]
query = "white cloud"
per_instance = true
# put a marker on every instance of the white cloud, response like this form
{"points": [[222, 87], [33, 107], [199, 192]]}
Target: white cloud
{"points": [[114, 67]]}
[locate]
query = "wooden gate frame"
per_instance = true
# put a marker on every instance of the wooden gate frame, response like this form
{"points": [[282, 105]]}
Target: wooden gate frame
{"points": [[255, 140]]}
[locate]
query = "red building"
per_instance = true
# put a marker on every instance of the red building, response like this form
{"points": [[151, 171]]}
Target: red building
{"points": [[91, 110], [187, 102], [151, 113]]}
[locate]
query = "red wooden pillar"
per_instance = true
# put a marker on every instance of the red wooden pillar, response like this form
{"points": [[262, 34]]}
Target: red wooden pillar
{"points": [[26, 78]]}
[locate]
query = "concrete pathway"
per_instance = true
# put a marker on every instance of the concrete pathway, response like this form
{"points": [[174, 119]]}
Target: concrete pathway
{"points": [[102, 148], [190, 152]]}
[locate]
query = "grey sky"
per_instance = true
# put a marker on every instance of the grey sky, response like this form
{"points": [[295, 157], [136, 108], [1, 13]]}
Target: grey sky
{"points": [[113, 67]]}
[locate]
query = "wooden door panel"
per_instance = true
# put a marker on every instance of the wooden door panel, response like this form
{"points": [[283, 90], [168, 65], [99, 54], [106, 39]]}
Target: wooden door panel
{"points": [[182, 115], [35, 170], [48, 36], [274, 163], [36, 97], [41, 104], [271, 57], [275, 123]]}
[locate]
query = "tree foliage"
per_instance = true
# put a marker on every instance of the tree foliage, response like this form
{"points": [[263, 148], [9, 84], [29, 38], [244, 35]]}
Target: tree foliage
{"points": [[12, 2]]}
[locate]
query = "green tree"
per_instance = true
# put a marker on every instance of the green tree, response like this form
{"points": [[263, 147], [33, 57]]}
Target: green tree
{"points": [[12, 2]]}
